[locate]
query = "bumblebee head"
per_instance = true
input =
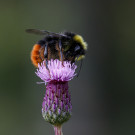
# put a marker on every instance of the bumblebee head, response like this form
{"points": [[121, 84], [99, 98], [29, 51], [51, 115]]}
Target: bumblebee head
{"points": [[79, 39]]}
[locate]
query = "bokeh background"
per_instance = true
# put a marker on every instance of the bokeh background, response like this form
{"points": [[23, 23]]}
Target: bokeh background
{"points": [[103, 96]]}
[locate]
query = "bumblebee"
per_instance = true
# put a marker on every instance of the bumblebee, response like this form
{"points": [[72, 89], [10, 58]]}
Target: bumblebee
{"points": [[65, 46]]}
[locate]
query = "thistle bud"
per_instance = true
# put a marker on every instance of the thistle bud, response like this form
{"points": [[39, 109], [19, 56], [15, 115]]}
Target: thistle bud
{"points": [[56, 107]]}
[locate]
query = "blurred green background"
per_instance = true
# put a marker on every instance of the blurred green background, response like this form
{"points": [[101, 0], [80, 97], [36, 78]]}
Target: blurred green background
{"points": [[103, 96]]}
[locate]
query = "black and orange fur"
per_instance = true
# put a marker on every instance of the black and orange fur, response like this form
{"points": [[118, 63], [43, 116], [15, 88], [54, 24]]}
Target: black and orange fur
{"points": [[72, 48]]}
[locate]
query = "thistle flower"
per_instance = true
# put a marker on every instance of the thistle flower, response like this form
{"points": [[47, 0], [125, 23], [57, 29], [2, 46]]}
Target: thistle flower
{"points": [[57, 71], [56, 106]]}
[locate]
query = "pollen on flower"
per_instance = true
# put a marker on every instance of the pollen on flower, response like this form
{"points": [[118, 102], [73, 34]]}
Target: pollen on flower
{"points": [[57, 71]]}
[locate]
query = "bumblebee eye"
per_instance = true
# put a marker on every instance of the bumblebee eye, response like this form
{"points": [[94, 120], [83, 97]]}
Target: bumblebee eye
{"points": [[77, 48]]}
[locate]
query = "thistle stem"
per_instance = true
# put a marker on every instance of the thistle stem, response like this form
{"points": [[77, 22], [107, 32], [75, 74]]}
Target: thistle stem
{"points": [[58, 130]]}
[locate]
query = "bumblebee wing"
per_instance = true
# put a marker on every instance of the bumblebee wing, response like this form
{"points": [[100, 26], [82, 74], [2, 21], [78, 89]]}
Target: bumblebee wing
{"points": [[40, 32]]}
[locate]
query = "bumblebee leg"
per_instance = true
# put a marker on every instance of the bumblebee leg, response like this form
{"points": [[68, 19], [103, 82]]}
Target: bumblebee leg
{"points": [[46, 55], [76, 58], [60, 47], [80, 68]]}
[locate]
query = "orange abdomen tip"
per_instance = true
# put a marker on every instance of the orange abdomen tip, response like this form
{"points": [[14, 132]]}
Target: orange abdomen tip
{"points": [[35, 55], [36, 47]]}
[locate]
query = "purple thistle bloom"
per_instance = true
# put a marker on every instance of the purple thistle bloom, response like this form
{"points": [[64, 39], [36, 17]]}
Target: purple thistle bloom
{"points": [[56, 106], [57, 71]]}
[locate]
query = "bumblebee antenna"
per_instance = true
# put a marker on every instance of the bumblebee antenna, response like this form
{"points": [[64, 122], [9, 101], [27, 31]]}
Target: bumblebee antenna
{"points": [[80, 68]]}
